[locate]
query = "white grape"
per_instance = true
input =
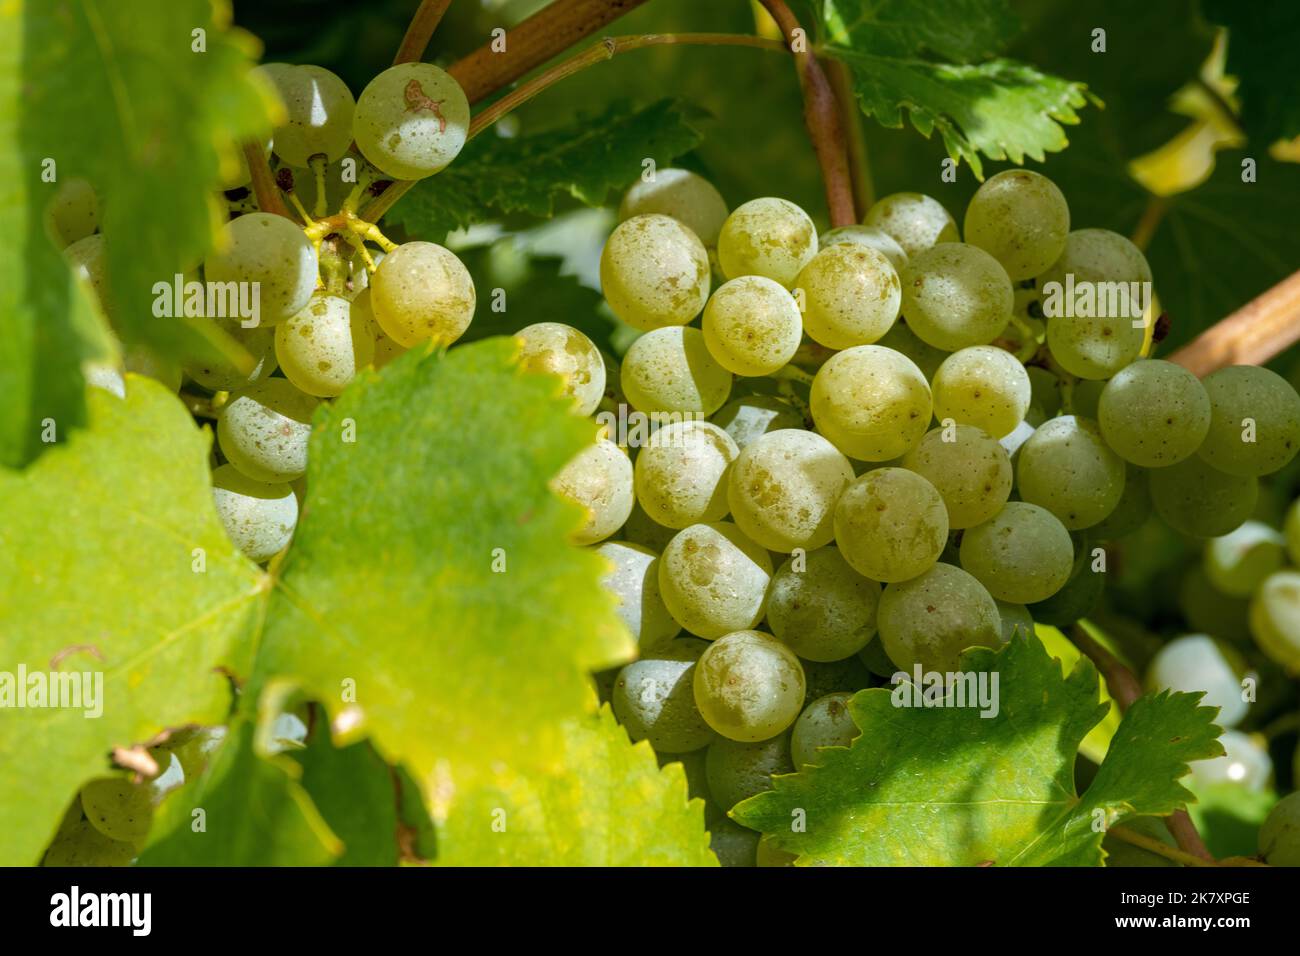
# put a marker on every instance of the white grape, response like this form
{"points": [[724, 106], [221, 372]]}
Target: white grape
{"points": [[599, 478], [219, 374], [1022, 555], [1245, 763], [871, 402], [851, 296], [1202, 501], [737, 771], [422, 292], [1153, 413], [872, 237], [654, 699], [970, 470], [749, 686], [558, 349], [956, 295], [983, 386], [767, 237], [681, 475], [1254, 421], [1196, 663], [752, 326], [1275, 619], [1067, 468], [1020, 218], [685, 196], [714, 579], [633, 580], [1238, 562], [322, 348], [915, 221], [654, 272], [271, 251], [264, 430], [891, 524], [826, 722], [672, 370], [930, 619], [1016, 621], [258, 517], [411, 120], [319, 109], [820, 607]]}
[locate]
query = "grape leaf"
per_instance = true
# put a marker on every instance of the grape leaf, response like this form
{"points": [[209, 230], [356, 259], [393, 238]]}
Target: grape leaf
{"points": [[255, 812], [610, 805], [962, 31], [98, 550], [1261, 49], [464, 635], [353, 790], [527, 174], [945, 786]]}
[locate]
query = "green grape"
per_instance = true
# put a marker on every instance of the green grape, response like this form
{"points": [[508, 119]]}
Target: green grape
{"points": [[916, 222], [1067, 468], [671, 370], [1210, 611], [1291, 530], [956, 296], [714, 579], [1093, 347], [1197, 663], [681, 475], [1023, 555], [320, 109], [72, 213], [654, 699], [783, 488], [984, 386], [599, 478], [1239, 561], [737, 771], [875, 659], [902, 339], [851, 296], [322, 348], [1279, 836], [685, 196], [970, 470], [734, 846], [118, 808], [1153, 413], [1076, 600], [1021, 219], [1275, 619], [641, 529], [871, 402], [748, 419], [930, 619], [767, 237], [557, 349], [820, 607], [1245, 763], [752, 326], [1202, 501], [654, 273], [258, 517], [749, 686], [872, 237], [221, 375], [826, 722], [1133, 509], [85, 845], [1016, 621], [633, 580], [891, 524], [411, 120], [1045, 391], [270, 250], [827, 677], [1085, 399], [264, 430], [1254, 421], [422, 292]]}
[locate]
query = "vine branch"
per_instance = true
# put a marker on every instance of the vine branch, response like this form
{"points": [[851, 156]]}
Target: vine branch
{"points": [[420, 31], [1261, 329], [264, 187]]}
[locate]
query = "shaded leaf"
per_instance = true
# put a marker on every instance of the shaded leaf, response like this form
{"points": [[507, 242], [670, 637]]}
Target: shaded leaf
{"points": [[1262, 41]]}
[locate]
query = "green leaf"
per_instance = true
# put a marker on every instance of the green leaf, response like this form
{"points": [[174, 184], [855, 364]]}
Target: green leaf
{"points": [[586, 160], [945, 786], [98, 567], [428, 599], [254, 813], [609, 805], [1261, 52], [1228, 817], [963, 31], [353, 789]]}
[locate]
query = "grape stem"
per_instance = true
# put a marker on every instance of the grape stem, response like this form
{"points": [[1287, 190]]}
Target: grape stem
{"points": [[864, 194], [1124, 689], [1255, 333], [420, 31], [264, 188]]}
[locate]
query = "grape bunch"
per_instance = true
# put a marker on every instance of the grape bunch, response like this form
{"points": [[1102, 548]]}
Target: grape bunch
{"points": [[877, 447]]}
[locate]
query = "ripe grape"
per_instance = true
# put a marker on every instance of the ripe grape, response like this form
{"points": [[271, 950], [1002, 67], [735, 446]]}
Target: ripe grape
{"points": [[1245, 763], [654, 272], [1254, 421], [820, 607], [558, 349], [411, 120], [599, 478], [258, 517], [685, 196], [671, 370], [1023, 555], [749, 686], [1202, 501], [915, 221], [982, 386], [1239, 561], [322, 348], [970, 470], [72, 213], [871, 402], [891, 524], [1275, 619], [1067, 468], [221, 375], [752, 326], [737, 771], [956, 295], [654, 699], [1016, 620], [320, 109], [1133, 509], [422, 292], [851, 296], [748, 419], [270, 250], [870, 236], [1279, 836], [826, 722], [767, 237], [714, 579], [681, 474], [733, 845], [118, 808], [930, 619], [783, 488], [83, 844], [264, 430], [1021, 219], [1153, 413], [1195, 663], [634, 582]]}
